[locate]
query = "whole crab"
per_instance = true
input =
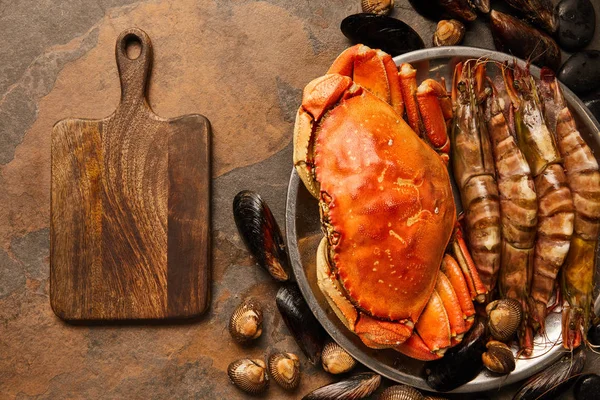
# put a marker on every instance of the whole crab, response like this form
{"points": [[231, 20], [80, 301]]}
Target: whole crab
{"points": [[386, 204]]}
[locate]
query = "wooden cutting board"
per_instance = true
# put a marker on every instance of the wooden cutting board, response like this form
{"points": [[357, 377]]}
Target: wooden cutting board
{"points": [[129, 230]]}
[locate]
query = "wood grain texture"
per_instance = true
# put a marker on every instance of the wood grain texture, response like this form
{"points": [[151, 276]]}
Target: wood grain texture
{"points": [[129, 231]]}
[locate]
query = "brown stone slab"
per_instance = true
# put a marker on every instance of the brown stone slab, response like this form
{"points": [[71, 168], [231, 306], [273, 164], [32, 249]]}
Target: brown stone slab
{"points": [[129, 230]]}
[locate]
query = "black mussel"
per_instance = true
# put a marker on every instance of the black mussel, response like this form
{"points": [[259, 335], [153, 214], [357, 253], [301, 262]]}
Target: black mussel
{"points": [[301, 322], [460, 364], [581, 72], [555, 379], [482, 5], [522, 40], [540, 12], [356, 387], [448, 33], [401, 392], [498, 357], [436, 9], [594, 332], [380, 7], [577, 22], [380, 32], [245, 323], [249, 375], [335, 359], [429, 9], [261, 234], [504, 318], [587, 387], [284, 369]]}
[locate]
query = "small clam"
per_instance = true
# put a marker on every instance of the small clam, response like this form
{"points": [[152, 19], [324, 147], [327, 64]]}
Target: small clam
{"points": [[261, 234], [356, 387], [336, 360], [448, 33], [245, 323], [401, 392], [301, 322], [284, 368], [498, 357], [380, 7], [504, 318], [249, 375]]}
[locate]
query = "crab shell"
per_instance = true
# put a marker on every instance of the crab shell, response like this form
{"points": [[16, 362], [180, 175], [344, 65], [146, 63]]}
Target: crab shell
{"points": [[386, 202]]}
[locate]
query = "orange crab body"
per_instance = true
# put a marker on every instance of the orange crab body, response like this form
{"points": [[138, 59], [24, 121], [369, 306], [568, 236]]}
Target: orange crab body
{"points": [[386, 205], [390, 204]]}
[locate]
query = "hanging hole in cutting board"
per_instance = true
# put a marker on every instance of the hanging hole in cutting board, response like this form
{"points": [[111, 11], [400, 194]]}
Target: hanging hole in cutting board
{"points": [[133, 46]]}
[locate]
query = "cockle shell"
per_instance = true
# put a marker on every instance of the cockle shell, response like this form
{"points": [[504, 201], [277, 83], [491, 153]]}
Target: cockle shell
{"points": [[245, 323], [336, 360], [498, 357], [449, 33], [401, 392], [284, 368], [380, 7], [504, 318], [249, 375]]}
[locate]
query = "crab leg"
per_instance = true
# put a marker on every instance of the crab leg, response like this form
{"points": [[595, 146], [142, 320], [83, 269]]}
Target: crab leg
{"points": [[408, 84], [452, 305], [430, 97], [372, 69], [452, 271]]}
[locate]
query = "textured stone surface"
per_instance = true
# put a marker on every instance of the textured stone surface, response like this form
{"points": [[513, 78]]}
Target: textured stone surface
{"points": [[241, 63]]}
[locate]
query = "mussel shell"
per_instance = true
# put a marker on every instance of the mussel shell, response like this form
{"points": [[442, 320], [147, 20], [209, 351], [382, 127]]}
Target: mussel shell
{"points": [[587, 387], [380, 7], [301, 322], [540, 12], [401, 392], [336, 360], [448, 33], [498, 358], [284, 369], [429, 9], [460, 364], [514, 36], [482, 5], [249, 375], [504, 318], [261, 234], [356, 387], [594, 334], [554, 380], [246, 321], [380, 32], [577, 22], [581, 72]]}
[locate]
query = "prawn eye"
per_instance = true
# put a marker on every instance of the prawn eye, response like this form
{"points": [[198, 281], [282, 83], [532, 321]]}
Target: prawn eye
{"points": [[462, 86], [517, 84]]}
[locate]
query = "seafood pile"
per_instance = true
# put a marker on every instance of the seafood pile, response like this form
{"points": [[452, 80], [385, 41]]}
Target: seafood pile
{"points": [[394, 265], [534, 30]]}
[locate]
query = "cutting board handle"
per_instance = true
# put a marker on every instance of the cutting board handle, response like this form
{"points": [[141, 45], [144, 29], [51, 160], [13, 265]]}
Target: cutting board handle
{"points": [[134, 73]]}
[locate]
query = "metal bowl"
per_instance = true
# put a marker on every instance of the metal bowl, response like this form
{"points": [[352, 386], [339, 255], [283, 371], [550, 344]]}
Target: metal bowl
{"points": [[303, 230]]}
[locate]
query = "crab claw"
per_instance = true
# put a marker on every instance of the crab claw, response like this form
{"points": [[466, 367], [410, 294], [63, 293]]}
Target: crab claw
{"points": [[372, 69], [319, 95]]}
